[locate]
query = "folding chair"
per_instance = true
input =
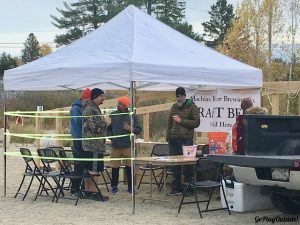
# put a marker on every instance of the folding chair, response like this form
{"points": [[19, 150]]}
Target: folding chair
{"points": [[104, 179], [49, 162], [202, 165], [31, 170], [157, 150], [68, 173]]}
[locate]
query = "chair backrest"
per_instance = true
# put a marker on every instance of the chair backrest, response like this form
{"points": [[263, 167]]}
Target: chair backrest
{"points": [[66, 163], [48, 152], [56, 149], [208, 168], [160, 150], [30, 163], [205, 149], [26, 152]]}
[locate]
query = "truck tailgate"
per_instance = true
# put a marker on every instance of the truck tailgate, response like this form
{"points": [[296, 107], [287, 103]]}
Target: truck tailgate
{"points": [[257, 161]]}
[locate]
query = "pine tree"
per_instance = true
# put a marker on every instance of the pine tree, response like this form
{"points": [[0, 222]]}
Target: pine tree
{"points": [[31, 49], [187, 29], [87, 15], [7, 62], [215, 29], [83, 16], [170, 11]]}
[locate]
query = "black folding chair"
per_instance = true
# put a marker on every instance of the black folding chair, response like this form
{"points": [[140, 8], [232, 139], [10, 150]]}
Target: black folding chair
{"points": [[202, 165], [68, 173], [31, 170], [106, 182], [49, 161], [157, 150]]}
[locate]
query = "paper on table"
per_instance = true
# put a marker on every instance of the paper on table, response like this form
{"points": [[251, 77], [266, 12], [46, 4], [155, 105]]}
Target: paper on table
{"points": [[160, 158]]}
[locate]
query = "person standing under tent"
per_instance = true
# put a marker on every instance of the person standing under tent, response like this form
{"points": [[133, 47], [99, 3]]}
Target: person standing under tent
{"points": [[76, 132], [184, 117], [121, 146], [94, 126]]}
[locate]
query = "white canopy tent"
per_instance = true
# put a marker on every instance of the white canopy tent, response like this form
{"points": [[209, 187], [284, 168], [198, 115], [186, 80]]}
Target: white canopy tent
{"points": [[133, 46], [132, 50]]}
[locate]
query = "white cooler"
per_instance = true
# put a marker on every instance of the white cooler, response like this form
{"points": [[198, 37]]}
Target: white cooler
{"points": [[243, 197]]}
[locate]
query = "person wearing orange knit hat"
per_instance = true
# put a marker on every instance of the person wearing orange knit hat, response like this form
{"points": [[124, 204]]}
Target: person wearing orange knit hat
{"points": [[124, 100], [121, 146]]}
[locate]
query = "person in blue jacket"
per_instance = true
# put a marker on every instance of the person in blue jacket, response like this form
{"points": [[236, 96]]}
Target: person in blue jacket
{"points": [[76, 132]]}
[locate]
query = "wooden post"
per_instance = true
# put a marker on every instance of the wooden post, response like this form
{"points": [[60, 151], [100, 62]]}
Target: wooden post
{"points": [[275, 104], [298, 103], [58, 129], [146, 127], [37, 141]]}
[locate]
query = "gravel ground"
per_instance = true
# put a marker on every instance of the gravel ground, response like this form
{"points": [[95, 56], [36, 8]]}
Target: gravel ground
{"points": [[118, 210]]}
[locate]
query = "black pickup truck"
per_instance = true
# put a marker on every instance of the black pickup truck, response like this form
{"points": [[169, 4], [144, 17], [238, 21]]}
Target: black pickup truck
{"points": [[271, 159]]}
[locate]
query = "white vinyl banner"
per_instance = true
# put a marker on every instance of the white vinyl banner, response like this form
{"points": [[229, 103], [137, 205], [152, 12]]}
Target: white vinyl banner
{"points": [[219, 108]]}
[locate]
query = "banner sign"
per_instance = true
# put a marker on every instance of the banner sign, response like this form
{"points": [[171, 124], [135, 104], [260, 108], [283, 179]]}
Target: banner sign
{"points": [[219, 108]]}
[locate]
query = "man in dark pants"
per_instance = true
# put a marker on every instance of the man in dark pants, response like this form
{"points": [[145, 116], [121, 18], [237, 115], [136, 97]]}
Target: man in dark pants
{"points": [[184, 117], [76, 132], [121, 146], [93, 131]]}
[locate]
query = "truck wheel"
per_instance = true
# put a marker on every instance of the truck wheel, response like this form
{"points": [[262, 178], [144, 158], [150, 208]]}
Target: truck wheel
{"points": [[286, 204]]}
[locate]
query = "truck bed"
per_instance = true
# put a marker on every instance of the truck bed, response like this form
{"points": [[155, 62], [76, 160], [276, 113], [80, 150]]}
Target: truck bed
{"points": [[256, 161]]}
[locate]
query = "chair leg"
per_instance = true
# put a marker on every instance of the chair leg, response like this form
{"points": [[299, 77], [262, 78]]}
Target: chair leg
{"points": [[183, 196], [40, 185], [210, 195], [29, 185], [20, 186], [198, 206], [224, 195], [59, 190], [80, 189], [104, 181], [161, 184], [109, 177], [58, 186], [157, 184], [144, 171], [43, 187], [43, 184], [97, 188]]}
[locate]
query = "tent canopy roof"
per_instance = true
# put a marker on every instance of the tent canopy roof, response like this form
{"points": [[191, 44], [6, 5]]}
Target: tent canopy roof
{"points": [[133, 46]]}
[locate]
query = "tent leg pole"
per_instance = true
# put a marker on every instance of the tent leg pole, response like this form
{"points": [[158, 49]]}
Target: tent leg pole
{"points": [[132, 104], [4, 145]]}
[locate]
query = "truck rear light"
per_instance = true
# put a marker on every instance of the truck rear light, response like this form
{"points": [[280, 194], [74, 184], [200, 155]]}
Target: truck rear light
{"points": [[297, 163]]}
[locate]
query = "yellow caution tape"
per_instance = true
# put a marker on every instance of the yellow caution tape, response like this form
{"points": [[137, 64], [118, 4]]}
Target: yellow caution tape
{"points": [[18, 154], [41, 116], [46, 136]]}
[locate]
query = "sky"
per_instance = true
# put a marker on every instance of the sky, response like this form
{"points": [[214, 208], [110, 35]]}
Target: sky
{"points": [[19, 18]]}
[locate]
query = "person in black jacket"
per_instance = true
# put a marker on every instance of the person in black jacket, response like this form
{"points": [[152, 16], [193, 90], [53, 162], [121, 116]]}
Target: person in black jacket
{"points": [[120, 125]]}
